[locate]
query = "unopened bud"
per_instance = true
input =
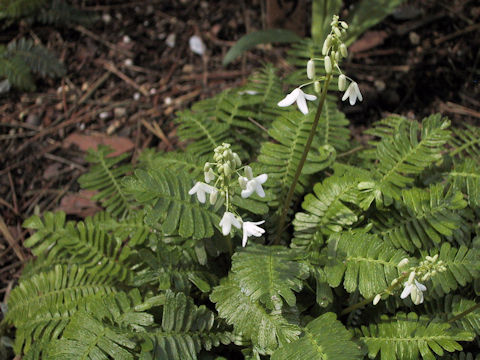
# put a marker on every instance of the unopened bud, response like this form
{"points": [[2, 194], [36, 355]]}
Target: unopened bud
{"points": [[337, 56], [213, 197], [343, 50], [243, 182], [376, 299], [344, 24], [225, 154], [326, 44], [403, 262], [435, 257], [337, 31], [237, 160], [328, 64], [227, 170], [248, 172], [310, 69], [206, 167], [316, 86], [342, 82], [411, 277]]}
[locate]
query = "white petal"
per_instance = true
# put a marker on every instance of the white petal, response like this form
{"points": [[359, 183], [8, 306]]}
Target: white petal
{"points": [[259, 190], [406, 291], [347, 93], [357, 91], [194, 189], [421, 287], [352, 97], [201, 196], [248, 191], [302, 104], [289, 99], [261, 178], [244, 238], [310, 97]]}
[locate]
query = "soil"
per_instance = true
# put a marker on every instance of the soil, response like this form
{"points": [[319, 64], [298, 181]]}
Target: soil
{"points": [[124, 84]]}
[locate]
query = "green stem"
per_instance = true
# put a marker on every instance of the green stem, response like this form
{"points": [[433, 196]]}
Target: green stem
{"points": [[388, 290], [313, 130], [466, 312]]}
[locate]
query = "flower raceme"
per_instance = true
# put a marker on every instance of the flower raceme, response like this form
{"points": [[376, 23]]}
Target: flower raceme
{"points": [[297, 95], [414, 289]]}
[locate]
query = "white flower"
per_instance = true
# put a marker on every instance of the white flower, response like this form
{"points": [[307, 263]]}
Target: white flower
{"points": [[352, 93], [201, 189], [299, 96], [197, 45], [251, 228], [209, 175], [415, 290], [227, 221], [255, 185]]}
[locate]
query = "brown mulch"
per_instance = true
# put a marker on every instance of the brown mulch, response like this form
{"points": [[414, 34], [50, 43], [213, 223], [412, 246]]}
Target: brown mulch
{"points": [[124, 85]]}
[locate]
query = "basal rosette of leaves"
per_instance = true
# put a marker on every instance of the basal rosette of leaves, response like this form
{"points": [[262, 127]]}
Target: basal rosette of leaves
{"points": [[378, 256]]}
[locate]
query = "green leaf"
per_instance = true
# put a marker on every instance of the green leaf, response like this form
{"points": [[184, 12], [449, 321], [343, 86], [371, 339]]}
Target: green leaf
{"points": [[407, 337], [266, 273], [366, 262], [266, 329], [322, 338], [249, 41]]}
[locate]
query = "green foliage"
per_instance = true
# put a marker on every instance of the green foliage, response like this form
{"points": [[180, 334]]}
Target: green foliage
{"points": [[408, 336], [104, 176], [267, 330], [322, 338], [185, 329], [169, 205], [268, 273], [363, 261], [22, 58], [250, 40], [153, 277]]}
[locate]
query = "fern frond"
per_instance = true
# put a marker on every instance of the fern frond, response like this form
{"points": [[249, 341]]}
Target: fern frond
{"points": [[174, 161], [173, 268], [43, 303], [16, 71], [333, 126], [363, 261], [322, 338], [84, 243], [328, 210], [19, 8], [465, 142], [407, 154], [267, 330], [202, 132], [423, 219], [59, 12], [39, 59], [166, 196], [407, 336], [268, 273], [280, 159], [185, 330], [465, 177], [462, 268], [133, 230], [104, 176]]}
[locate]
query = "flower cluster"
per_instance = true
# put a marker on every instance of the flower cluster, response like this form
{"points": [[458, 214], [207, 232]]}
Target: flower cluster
{"points": [[333, 50], [227, 165], [424, 271]]}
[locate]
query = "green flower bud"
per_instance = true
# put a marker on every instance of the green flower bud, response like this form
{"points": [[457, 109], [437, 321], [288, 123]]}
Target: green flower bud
{"points": [[213, 197], [343, 50], [337, 31], [206, 167], [344, 24], [248, 172], [342, 82], [337, 56], [316, 86], [243, 182], [310, 69], [227, 170], [328, 65]]}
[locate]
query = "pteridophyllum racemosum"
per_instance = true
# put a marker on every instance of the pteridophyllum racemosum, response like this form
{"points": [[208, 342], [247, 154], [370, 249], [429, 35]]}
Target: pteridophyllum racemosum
{"points": [[226, 174], [333, 51]]}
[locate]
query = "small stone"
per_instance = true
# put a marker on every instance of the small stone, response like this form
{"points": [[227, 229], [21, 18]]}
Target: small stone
{"points": [[168, 100], [126, 39], [107, 19], [136, 96], [414, 38], [170, 41], [120, 112], [128, 62], [104, 115]]}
